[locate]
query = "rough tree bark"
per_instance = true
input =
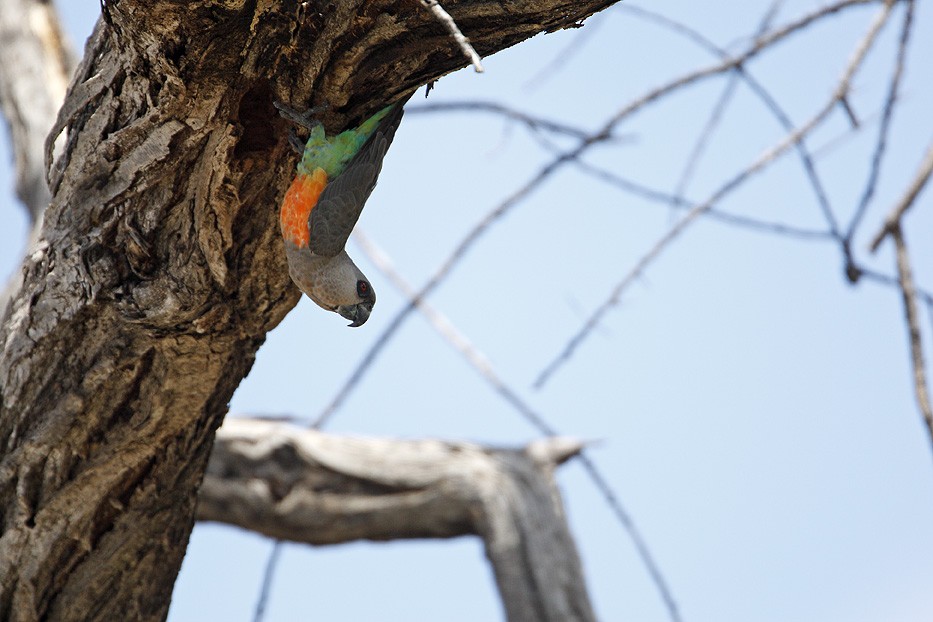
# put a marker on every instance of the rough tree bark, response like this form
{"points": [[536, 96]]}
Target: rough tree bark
{"points": [[158, 269], [301, 485]]}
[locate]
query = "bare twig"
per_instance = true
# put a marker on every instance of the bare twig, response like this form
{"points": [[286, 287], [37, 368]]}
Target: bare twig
{"points": [[641, 547], [893, 281], [911, 316], [533, 123], [850, 113], [268, 574], [887, 115], [758, 45], [706, 134], [444, 18], [566, 53], [910, 196], [719, 109], [754, 49], [734, 220]]}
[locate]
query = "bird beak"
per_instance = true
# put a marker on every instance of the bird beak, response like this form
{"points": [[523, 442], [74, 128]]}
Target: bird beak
{"points": [[357, 314]]}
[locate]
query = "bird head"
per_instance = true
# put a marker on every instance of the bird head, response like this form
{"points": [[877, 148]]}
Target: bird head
{"points": [[335, 284], [358, 312]]}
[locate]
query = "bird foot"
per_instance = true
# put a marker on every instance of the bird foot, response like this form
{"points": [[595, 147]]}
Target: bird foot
{"points": [[296, 143], [304, 119]]}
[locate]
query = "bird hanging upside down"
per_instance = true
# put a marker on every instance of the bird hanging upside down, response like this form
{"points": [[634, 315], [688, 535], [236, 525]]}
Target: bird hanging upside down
{"points": [[335, 177]]}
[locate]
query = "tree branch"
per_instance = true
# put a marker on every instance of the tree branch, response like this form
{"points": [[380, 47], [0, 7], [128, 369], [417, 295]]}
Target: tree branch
{"points": [[35, 66], [893, 221], [444, 17], [305, 486], [912, 320]]}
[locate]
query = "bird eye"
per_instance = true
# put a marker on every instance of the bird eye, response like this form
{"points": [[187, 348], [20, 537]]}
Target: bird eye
{"points": [[362, 288]]}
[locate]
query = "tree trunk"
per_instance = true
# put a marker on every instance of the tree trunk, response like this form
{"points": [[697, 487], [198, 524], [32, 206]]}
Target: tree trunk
{"points": [[159, 270]]}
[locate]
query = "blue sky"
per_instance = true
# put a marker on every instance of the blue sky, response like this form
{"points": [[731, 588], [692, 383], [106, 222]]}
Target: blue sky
{"points": [[754, 410]]}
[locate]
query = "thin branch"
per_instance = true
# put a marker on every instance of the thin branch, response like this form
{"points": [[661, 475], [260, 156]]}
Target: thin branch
{"points": [[719, 109], [911, 316], [850, 113], [268, 575], [533, 123], [480, 364], [641, 547], [35, 66], [893, 221], [566, 53], [757, 47], [893, 281], [444, 18], [830, 145], [664, 21], [706, 134], [681, 203], [887, 115], [862, 49]]}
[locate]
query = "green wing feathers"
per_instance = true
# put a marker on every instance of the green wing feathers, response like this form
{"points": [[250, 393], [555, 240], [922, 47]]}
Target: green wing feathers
{"points": [[356, 158], [333, 153]]}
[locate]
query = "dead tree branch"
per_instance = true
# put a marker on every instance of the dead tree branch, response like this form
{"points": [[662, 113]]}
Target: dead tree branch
{"points": [[305, 486], [893, 221], [35, 67], [887, 115], [533, 123], [462, 42], [912, 321]]}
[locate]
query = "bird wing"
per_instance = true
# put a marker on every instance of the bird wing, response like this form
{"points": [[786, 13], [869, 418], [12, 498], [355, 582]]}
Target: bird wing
{"points": [[341, 203]]}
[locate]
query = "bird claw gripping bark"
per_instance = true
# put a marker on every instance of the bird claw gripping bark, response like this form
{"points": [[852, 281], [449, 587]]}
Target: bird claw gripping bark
{"points": [[304, 119]]}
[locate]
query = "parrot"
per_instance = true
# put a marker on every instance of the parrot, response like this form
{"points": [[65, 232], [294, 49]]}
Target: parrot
{"points": [[335, 176]]}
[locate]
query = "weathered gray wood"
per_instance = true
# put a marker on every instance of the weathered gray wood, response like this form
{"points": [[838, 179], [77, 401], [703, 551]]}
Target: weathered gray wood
{"points": [[297, 484], [159, 269], [35, 66]]}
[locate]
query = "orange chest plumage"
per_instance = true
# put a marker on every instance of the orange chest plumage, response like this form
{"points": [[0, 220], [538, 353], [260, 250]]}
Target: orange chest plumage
{"points": [[299, 200]]}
